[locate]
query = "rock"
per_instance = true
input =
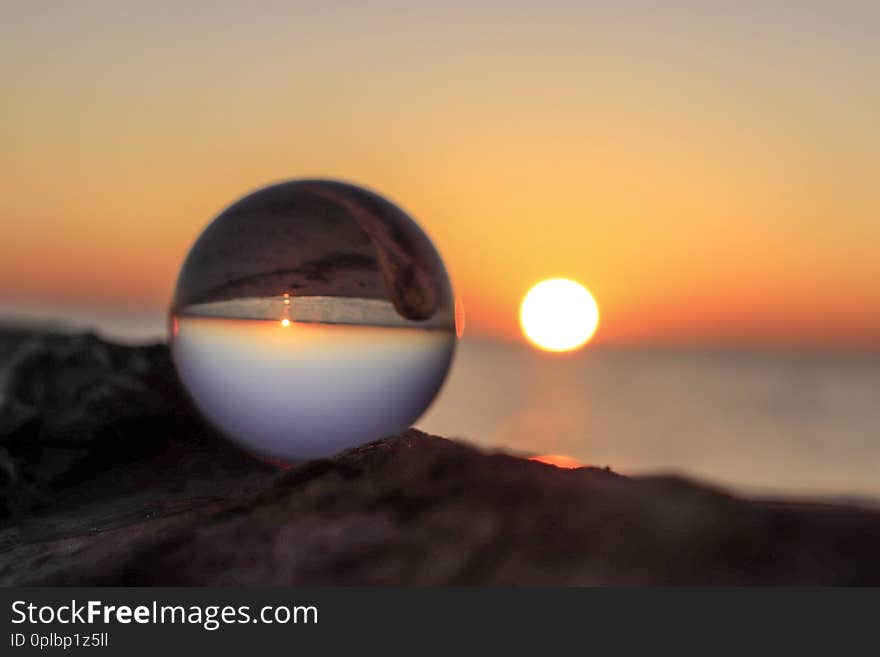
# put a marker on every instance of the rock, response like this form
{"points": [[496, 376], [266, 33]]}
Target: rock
{"points": [[111, 478], [75, 408]]}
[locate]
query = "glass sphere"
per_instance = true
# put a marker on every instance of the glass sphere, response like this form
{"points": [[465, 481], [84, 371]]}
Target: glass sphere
{"points": [[312, 316]]}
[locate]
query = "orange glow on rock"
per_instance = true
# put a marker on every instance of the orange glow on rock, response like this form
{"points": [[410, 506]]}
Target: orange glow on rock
{"points": [[558, 460]]}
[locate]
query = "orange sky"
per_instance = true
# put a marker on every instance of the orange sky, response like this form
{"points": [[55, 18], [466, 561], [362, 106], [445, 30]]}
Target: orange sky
{"points": [[710, 174]]}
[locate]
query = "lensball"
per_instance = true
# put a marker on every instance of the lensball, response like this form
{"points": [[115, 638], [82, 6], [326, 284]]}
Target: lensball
{"points": [[311, 316]]}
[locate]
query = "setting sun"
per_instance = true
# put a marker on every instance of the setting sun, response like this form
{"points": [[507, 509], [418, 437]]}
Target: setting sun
{"points": [[558, 314]]}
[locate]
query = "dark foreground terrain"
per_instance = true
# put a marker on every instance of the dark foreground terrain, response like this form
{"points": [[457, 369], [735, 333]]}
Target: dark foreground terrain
{"points": [[108, 477]]}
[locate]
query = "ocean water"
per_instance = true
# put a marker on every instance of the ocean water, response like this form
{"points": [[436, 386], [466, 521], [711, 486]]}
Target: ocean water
{"points": [[779, 423], [758, 422]]}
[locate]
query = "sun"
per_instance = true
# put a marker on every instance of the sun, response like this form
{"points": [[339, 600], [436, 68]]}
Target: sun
{"points": [[559, 314]]}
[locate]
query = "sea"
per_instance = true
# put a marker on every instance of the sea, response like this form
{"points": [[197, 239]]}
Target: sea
{"points": [[758, 422], [772, 423]]}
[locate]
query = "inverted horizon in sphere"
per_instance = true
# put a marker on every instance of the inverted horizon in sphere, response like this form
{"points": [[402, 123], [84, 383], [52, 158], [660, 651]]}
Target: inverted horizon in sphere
{"points": [[314, 309]]}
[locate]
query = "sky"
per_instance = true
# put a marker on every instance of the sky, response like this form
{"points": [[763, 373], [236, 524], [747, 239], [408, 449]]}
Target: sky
{"points": [[708, 170]]}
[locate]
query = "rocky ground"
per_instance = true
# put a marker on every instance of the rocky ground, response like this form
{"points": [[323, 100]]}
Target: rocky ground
{"points": [[109, 477]]}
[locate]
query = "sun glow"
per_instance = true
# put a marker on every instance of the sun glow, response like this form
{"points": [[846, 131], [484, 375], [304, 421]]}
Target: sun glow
{"points": [[558, 460], [559, 314]]}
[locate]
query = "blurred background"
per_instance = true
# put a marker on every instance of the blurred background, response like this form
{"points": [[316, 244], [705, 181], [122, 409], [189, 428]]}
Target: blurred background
{"points": [[708, 170]]}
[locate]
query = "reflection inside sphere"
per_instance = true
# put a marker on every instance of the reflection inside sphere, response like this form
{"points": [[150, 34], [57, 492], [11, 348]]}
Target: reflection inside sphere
{"points": [[311, 316]]}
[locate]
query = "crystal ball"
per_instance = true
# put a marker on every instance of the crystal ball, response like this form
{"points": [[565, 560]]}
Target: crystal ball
{"points": [[311, 316]]}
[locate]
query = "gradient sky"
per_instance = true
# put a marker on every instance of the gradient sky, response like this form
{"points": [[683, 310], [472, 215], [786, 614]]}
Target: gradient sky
{"points": [[709, 171]]}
